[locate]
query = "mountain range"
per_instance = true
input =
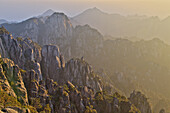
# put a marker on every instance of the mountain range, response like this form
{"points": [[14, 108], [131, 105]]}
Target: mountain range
{"points": [[119, 65], [116, 25]]}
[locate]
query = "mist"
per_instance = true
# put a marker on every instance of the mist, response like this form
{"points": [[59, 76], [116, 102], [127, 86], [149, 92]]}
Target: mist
{"points": [[18, 10]]}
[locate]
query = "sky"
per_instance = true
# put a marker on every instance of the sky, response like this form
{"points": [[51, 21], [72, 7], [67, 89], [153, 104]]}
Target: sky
{"points": [[18, 10]]}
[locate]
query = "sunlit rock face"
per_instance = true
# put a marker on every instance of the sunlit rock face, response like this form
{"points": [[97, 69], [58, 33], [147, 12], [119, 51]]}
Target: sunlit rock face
{"points": [[11, 80]]}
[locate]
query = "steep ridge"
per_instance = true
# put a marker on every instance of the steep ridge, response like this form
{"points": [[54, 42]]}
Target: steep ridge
{"points": [[43, 31]]}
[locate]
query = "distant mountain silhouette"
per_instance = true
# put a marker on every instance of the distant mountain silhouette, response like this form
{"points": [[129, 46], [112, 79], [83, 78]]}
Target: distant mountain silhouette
{"points": [[3, 21], [125, 26]]}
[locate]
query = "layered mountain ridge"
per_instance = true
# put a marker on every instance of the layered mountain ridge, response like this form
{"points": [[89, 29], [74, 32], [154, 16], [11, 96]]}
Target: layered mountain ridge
{"points": [[127, 64], [116, 25]]}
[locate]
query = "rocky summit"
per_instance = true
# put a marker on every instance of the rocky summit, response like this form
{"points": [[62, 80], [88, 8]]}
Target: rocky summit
{"points": [[43, 30]]}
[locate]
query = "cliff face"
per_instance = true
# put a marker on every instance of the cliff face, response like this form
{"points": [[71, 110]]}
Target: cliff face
{"points": [[51, 62], [58, 26], [80, 72], [23, 52]]}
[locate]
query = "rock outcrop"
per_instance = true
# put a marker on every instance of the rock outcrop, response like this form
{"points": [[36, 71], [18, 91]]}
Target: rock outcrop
{"points": [[5, 86], [52, 61], [24, 52], [81, 73], [113, 104], [140, 101]]}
